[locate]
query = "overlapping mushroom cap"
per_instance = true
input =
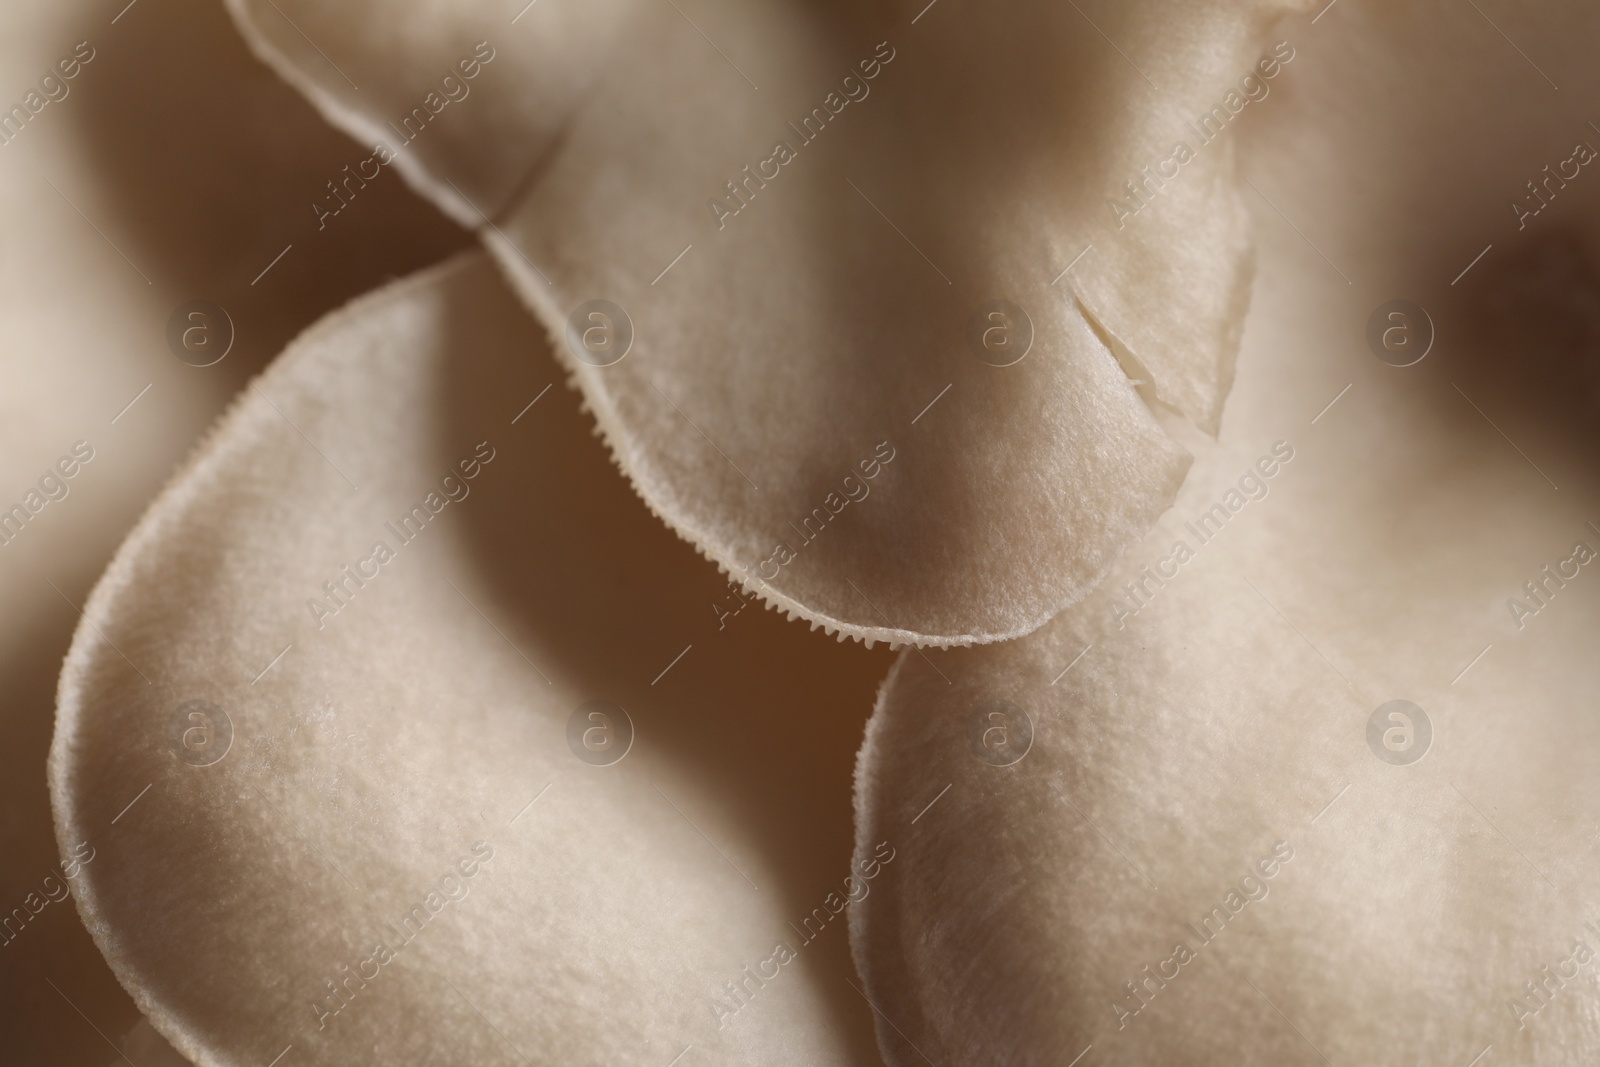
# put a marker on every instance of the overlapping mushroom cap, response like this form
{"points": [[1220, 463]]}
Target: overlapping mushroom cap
{"points": [[1305, 779], [169, 166], [777, 244], [795, 341], [423, 768]]}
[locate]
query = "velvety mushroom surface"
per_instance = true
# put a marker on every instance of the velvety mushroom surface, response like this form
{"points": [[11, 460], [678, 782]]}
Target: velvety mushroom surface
{"points": [[1307, 779], [398, 730], [168, 166], [778, 244]]}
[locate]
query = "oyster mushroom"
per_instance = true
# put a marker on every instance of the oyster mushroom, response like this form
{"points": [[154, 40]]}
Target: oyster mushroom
{"points": [[775, 244], [1306, 779]]}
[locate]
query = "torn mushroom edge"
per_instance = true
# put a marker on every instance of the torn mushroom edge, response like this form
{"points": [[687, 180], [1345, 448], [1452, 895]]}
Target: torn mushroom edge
{"points": [[619, 444], [610, 428], [612, 432]]}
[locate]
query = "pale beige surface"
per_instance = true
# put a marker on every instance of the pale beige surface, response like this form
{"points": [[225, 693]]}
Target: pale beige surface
{"points": [[199, 165], [1230, 714], [793, 340], [1173, 754], [476, 100], [429, 712]]}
